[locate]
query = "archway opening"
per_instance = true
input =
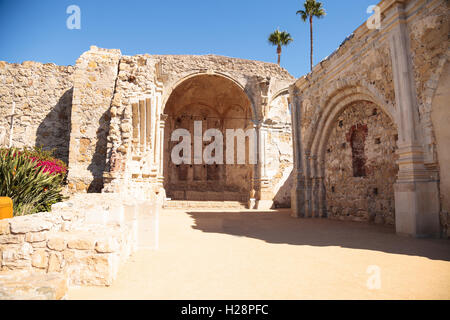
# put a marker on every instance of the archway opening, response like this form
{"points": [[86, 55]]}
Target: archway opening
{"points": [[198, 105], [360, 165]]}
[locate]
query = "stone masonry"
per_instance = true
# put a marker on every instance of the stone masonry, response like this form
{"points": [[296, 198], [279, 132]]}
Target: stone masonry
{"points": [[401, 174]]}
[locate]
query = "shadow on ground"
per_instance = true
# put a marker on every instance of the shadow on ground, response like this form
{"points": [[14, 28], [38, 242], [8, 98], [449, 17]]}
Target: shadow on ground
{"points": [[279, 228]]}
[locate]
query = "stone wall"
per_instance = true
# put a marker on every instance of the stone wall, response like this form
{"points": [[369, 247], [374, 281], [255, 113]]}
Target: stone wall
{"points": [[94, 85], [85, 239], [366, 195], [94, 113], [43, 97], [397, 68]]}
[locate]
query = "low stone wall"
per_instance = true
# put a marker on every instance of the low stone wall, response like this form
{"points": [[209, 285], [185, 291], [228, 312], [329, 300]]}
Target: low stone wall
{"points": [[84, 239]]}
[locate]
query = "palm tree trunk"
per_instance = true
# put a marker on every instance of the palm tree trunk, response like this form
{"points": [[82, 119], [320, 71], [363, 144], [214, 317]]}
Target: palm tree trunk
{"points": [[279, 54], [311, 36]]}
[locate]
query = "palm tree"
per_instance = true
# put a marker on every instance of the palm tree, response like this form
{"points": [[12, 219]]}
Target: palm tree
{"points": [[312, 8], [279, 39]]}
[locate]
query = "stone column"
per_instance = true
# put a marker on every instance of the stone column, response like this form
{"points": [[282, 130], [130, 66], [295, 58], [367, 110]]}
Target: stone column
{"points": [[135, 122], [148, 123], [308, 184], [322, 191], [315, 184], [265, 195], [298, 189], [142, 125], [254, 183], [160, 148], [416, 189]]}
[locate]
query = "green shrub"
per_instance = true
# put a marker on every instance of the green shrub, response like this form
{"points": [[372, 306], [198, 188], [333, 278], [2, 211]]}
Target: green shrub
{"points": [[33, 184]]}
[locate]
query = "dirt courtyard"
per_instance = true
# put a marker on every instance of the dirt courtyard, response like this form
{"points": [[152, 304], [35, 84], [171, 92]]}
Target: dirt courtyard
{"points": [[269, 255]]}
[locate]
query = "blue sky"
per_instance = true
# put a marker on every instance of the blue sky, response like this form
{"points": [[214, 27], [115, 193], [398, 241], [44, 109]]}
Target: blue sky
{"points": [[36, 30]]}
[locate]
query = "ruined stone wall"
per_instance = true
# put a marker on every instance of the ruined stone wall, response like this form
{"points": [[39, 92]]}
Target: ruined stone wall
{"points": [[375, 66], [370, 196], [172, 65], [43, 97], [429, 31], [94, 85], [96, 114], [279, 159]]}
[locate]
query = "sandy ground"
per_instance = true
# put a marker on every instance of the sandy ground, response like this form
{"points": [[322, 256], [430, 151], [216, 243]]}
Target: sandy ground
{"points": [[245, 255]]}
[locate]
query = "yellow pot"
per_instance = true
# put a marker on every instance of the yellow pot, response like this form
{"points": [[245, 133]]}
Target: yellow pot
{"points": [[6, 208]]}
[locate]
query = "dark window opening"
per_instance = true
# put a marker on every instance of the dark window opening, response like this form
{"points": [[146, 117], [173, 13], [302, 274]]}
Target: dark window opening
{"points": [[358, 136]]}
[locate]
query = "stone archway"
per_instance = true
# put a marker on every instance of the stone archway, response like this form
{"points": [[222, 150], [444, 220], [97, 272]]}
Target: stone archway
{"points": [[360, 167], [213, 102]]}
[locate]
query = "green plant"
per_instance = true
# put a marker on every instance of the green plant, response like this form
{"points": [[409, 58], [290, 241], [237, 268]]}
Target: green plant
{"points": [[279, 39], [32, 187]]}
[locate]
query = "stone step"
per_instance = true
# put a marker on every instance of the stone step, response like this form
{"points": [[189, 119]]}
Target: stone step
{"points": [[180, 204]]}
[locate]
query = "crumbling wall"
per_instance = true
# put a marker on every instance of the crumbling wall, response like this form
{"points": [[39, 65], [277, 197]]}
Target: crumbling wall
{"points": [[94, 85], [363, 193], [43, 100]]}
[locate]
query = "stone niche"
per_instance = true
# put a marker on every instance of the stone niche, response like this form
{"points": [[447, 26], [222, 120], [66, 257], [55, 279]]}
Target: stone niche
{"points": [[360, 167], [216, 103]]}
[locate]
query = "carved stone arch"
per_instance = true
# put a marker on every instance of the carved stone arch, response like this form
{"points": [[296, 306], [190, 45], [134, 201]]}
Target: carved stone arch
{"points": [[171, 87], [432, 86], [284, 91], [335, 103]]}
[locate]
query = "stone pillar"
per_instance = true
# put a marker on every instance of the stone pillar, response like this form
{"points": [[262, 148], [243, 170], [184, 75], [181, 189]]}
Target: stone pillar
{"points": [[148, 123], [315, 181], [265, 195], [322, 191], [308, 184], [162, 125], [416, 189], [94, 81], [298, 190], [135, 122], [142, 125]]}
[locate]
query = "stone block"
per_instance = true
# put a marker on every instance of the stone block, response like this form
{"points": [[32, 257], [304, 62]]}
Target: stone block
{"points": [[56, 243], [4, 227], [36, 236], [39, 259], [107, 245], [54, 262], [81, 243], [12, 239], [27, 224], [21, 285]]}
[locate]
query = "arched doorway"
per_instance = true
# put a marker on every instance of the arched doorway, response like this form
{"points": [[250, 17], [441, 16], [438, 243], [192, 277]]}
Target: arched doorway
{"points": [[211, 102], [360, 165]]}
